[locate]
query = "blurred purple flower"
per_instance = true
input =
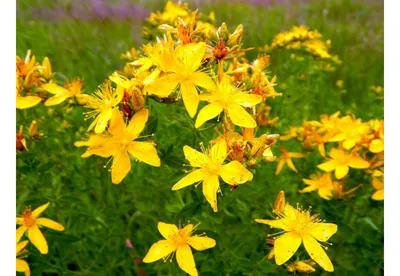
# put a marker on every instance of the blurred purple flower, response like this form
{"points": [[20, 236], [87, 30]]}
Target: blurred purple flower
{"points": [[129, 244]]}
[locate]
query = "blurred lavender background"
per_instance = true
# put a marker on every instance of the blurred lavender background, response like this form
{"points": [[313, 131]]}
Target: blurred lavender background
{"points": [[88, 10]]}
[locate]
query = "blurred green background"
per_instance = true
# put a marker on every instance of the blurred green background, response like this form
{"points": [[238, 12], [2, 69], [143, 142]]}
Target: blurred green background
{"points": [[86, 38]]}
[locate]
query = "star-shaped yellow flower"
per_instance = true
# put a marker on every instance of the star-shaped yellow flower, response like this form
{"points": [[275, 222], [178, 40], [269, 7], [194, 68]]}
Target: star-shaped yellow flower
{"points": [[341, 161], [229, 98], [179, 240], [104, 100], [286, 158], [299, 226], [208, 167], [30, 222], [120, 144], [184, 71], [71, 90], [322, 183]]}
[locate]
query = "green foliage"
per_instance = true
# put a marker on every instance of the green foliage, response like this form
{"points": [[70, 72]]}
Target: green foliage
{"points": [[99, 216]]}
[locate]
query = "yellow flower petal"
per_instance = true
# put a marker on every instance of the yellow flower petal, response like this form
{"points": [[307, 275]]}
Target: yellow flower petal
{"points": [[22, 266], [321, 149], [328, 166], [50, 224], [57, 99], [192, 54], [190, 97], [326, 193], [337, 138], [337, 154], [137, 123], [27, 101], [207, 113], [376, 146], [54, 88], [20, 231], [103, 119], [21, 246], [378, 195], [235, 173], [117, 124], [274, 223], [316, 252], [290, 164], [120, 167], [189, 179], [195, 158], [184, 257], [341, 171], [358, 163], [210, 188], [296, 155], [285, 246], [240, 117], [203, 80], [163, 86], [247, 100], [40, 209], [145, 152], [167, 230], [201, 243], [323, 231], [349, 143], [280, 166], [159, 250], [36, 237], [20, 220], [219, 151], [377, 183]]}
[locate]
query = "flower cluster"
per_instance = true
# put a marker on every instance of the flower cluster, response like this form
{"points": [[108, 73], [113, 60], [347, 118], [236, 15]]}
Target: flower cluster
{"points": [[203, 67], [301, 38], [35, 80], [353, 144], [185, 65], [200, 67], [177, 14]]}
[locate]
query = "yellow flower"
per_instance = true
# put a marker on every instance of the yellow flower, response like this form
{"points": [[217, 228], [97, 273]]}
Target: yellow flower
{"points": [[22, 266], [339, 83], [341, 161], [30, 222], [286, 158], [120, 144], [299, 226], [71, 90], [208, 166], [378, 184], [351, 131], [103, 102], [230, 99], [179, 240], [184, 71], [322, 183]]}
